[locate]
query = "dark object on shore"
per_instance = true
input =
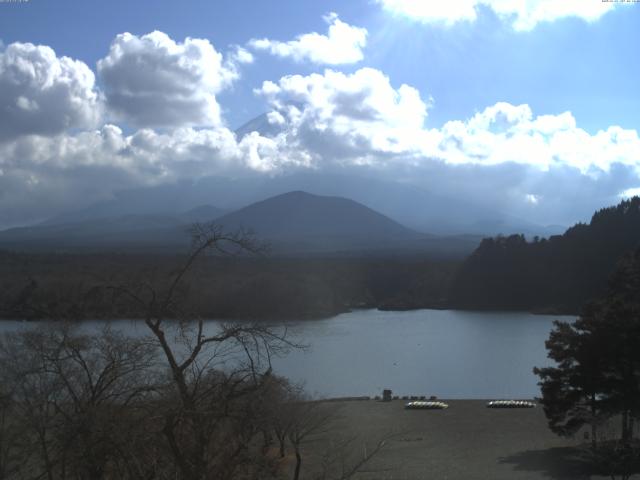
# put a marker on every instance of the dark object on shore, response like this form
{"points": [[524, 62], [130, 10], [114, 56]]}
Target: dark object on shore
{"points": [[386, 395], [510, 404], [426, 405], [433, 398]]}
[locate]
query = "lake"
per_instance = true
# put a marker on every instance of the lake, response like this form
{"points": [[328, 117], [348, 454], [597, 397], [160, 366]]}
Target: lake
{"points": [[447, 353]]}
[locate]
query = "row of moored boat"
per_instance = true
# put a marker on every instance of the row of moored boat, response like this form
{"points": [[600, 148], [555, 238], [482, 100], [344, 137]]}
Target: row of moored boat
{"points": [[420, 405]]}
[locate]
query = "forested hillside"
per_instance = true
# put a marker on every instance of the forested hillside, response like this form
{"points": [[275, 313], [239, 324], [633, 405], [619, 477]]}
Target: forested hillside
{"points": [[555, 274]]}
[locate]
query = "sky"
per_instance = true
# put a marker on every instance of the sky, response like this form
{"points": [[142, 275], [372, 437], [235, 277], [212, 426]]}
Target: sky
{"points": [[524, 106]]}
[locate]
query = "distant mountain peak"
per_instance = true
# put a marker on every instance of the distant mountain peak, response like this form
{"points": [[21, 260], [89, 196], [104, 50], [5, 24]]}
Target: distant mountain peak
{"points": [[260, 124], [299, 217], [301, 195], [298, 193]]}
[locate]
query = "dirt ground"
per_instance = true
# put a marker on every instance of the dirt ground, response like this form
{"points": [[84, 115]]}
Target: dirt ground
{"points": [[465, 441]]}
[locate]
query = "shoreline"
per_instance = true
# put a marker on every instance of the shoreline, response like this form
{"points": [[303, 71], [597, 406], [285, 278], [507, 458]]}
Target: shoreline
{"points": [[313, 317], [465, 441]]}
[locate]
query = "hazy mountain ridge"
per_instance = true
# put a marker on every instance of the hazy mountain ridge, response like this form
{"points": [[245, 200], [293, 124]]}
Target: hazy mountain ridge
{"points": [[122, 231], [295, 223]]}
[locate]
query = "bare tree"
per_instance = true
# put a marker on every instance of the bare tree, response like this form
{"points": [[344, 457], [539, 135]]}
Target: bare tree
{"points": [[9, 433], [193, 400], [309, 427], [71, 395], [211, 424], [308, 419], [342, 460]]}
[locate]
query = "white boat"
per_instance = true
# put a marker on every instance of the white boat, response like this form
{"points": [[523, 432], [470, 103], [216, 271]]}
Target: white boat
{"points": [[420, 405], [510, 404]]}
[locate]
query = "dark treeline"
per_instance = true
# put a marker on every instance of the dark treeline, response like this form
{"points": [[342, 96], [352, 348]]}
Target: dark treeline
{"points": [[34, 286], [557, 274], [183, 402]]}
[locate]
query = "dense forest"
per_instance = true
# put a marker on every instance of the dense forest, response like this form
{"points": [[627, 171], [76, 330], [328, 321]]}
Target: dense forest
{"points": [[558, 274], [76, 287]]}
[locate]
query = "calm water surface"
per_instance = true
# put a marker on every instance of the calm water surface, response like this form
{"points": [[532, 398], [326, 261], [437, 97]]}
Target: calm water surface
{"points": [[448, 353]]}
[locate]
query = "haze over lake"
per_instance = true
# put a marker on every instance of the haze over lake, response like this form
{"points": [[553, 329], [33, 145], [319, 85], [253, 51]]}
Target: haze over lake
{"points": [[447, 353]]}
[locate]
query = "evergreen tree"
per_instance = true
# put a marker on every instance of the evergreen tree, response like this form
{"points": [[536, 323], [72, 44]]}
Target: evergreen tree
{"points": [[572, 391], [597, 372]]}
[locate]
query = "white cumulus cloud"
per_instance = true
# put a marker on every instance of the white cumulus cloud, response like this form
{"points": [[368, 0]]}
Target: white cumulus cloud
{"points": [[41, 176], [506, 133], [346, 117], [361, 119], [239, 55], [43, 94], [522, 15], [53, 158], [153, 80], [342, 44], [505, 156]]}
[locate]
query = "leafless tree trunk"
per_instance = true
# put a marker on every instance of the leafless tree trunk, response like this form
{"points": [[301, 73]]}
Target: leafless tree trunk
{"points": [[104, 407], [338, 461], [197, 428], [308, 418], [71, 393]]}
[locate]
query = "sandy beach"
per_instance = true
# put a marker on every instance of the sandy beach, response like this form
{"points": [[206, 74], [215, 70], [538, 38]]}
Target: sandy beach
{"points": [[465, 441]]}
